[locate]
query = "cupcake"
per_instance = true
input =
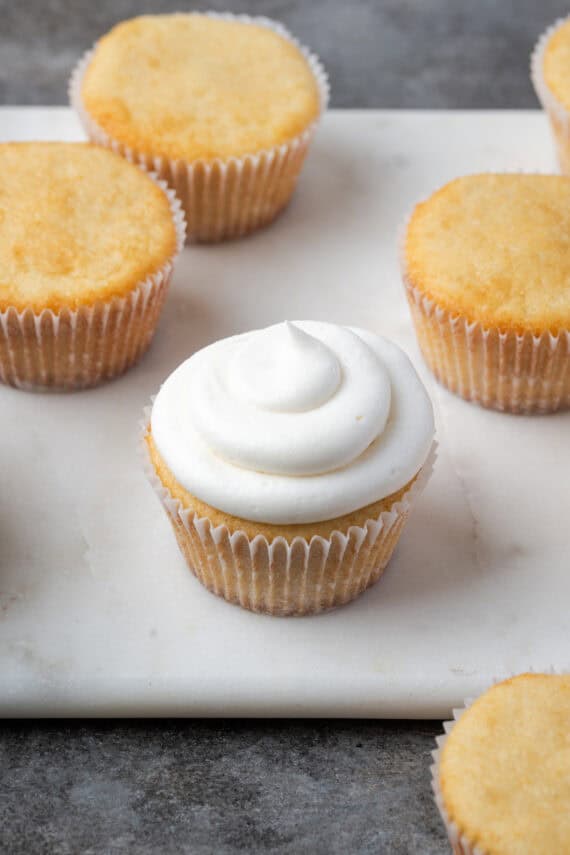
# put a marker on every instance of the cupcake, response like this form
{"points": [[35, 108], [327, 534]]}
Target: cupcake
{"points": [[287, 460], [550, 72], [486, 265], [86, 250], [502, 774], [222, 107]]}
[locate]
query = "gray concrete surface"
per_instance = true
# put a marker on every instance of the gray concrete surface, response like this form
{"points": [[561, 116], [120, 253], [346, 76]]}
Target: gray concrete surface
{"points": [[380, 53], [255, 787], [218, 788]]}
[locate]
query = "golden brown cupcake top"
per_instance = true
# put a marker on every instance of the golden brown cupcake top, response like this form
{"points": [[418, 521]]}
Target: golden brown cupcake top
{"points": [[78, 224], [495, 249], [505, 768], [193, 87], [556, 64]]}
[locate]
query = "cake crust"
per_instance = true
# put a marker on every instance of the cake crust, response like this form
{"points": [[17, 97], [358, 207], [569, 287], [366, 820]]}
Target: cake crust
{"points": [[78, 225], [495, 249], [504, 768], [556, 64], [191, 86]]}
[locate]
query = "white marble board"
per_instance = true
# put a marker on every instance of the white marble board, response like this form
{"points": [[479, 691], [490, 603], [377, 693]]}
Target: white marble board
{"points": [[98, 614]]}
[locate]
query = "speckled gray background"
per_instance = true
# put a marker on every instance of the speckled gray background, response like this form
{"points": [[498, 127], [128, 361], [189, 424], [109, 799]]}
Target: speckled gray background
{"points": [[380, 53], [286, 788]]}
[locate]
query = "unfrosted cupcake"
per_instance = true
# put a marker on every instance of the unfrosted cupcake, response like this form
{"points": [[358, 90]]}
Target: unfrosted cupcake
{"points": [[87, 243], [287, 460], [486, 264], [550, 72], [223, 107], [502, 774]]}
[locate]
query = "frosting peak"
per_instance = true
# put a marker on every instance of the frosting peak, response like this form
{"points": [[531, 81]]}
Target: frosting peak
{"points": [[283, 369], [299, 422]]}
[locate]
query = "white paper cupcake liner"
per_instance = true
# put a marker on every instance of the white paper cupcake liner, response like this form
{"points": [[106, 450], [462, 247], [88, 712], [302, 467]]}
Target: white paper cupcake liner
{"points": [[280, 577], [506, 371], [513, 373], [222, 198], [558, 115], [75, 349], [460, 844]]}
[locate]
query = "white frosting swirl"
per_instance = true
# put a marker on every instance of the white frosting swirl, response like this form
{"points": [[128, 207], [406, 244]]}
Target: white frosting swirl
{"points": [[295, 423]]}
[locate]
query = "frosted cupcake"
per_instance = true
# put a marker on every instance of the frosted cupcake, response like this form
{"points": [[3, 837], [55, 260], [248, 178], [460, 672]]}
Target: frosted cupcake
{"points": [[87, 244], [288, 459], [550, 72], [502, 775], [486, 264], [222, 107]]}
